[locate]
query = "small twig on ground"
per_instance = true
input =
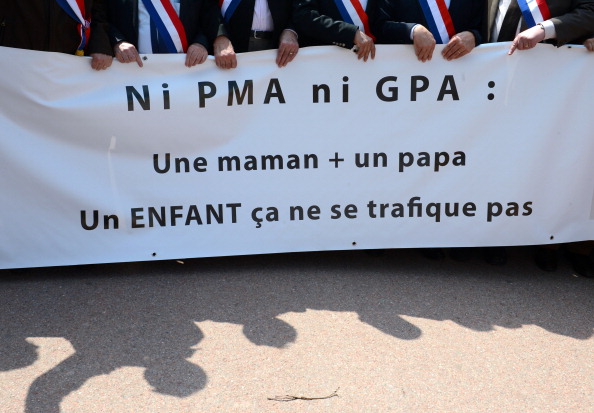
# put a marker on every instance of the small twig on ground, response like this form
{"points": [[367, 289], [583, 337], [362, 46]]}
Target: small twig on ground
{"points": [[289, 398]]}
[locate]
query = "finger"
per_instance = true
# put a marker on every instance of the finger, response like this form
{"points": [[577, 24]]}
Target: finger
{"points": [[283, 60], [458, 55], [454, 53], [138, 59], [512, 49], [368, 47], [98, 64], [420, 53], [423, 55], [282, 56], [363, 52], [448, 52], [430, 52], [202, 58], [373, 50]]}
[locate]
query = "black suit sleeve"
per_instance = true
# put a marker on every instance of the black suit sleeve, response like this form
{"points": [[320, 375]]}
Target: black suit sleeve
{"points": [[99, 38], [574, 23], [321, 21], [210, 24], [388, 28], [122, 22]]}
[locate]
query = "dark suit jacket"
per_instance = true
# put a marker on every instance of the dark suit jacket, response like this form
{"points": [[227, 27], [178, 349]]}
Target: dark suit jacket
{"points": [[573, 19], [240, 24], [201, 20], [319, 22], [396, 18], [44, 25]]}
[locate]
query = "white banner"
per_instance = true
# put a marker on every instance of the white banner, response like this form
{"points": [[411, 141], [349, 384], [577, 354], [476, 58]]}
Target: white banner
{"points": [[329, 153]]}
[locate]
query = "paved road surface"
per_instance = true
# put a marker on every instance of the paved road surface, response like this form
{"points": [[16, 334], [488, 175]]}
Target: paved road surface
{"points": [[393, 333]]}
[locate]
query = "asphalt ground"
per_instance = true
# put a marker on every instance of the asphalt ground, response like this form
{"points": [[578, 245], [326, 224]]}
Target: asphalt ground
{"points": [[394, 332]]}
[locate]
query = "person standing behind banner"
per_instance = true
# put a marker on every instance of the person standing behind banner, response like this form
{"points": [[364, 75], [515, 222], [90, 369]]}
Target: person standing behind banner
{"points": [[63, 26], [527, 23], [343, 23], [455, 23], [169, 26], [261, 25]]}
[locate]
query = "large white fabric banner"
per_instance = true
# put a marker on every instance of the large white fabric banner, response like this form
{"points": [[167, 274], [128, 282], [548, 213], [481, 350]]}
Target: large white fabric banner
{"points": [[329, 153]]}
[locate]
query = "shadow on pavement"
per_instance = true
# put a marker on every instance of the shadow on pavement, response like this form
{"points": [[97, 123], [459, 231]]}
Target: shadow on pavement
{"points": [[144, 314]]}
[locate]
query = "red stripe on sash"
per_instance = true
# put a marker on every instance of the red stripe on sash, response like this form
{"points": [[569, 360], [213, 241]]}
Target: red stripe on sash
{"points": [[544, 9], [363, 16], [176, 22], [447, 19], [81, 6]]}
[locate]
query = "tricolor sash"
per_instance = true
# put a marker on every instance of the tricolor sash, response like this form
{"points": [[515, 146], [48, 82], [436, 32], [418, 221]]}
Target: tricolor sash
{"points": [[169, 27], [354, 13], [76, 10], [228, 8], [534, 11], [438, 19]]}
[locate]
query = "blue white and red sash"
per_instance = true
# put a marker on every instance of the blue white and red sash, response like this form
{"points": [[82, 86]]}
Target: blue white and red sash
{"points": [[170, 28], [534, 11], [438, 19], [353, 12], [76, 10], [228, 8]]}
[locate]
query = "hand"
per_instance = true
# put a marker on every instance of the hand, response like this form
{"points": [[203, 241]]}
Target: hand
{"points": [[424, 43], [287, 48], [365, 46], [126, 53], [459, 45], [100, 61], [196, 55], [527, 39], [224, 53], [589, 44]]}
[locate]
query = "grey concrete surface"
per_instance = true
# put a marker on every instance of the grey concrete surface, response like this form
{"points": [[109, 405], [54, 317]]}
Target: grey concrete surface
{"points": [[393, 333]]}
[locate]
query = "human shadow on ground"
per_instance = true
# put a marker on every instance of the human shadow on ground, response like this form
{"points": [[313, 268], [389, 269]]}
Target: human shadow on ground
{"points": [[144, 314]]}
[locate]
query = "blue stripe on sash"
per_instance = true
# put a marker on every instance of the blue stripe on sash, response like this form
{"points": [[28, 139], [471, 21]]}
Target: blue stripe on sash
{"points": [[527, 13], [430, 21], [164, 35], [343, 12], [231, 9], [66, 7]]}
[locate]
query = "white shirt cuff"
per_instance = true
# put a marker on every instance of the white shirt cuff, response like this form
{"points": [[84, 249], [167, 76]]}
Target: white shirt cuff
{"points": [[412, 32], [291, 30], [549, 29]]}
